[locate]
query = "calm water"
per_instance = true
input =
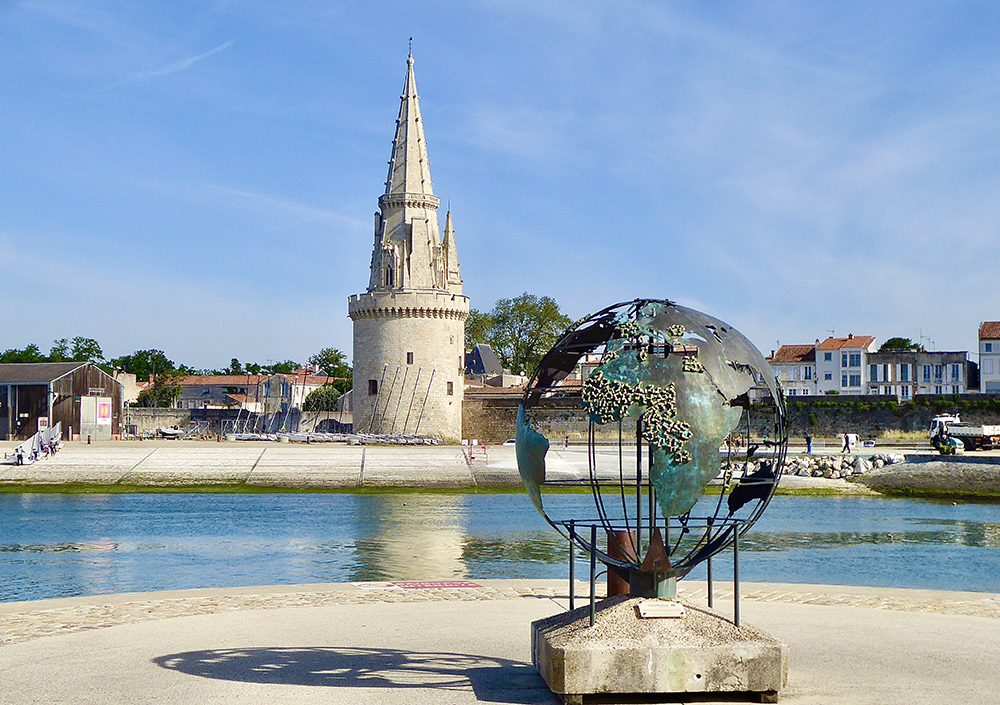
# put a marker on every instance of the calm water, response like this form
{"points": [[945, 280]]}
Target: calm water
{"points": [[64, 545]]}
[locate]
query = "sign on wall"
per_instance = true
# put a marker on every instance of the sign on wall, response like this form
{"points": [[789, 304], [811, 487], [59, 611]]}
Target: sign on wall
{"points": [[104, 413]]}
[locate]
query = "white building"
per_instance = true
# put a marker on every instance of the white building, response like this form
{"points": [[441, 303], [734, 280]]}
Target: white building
{"points": [[409, 326], [795, 368], [989, 356], [841, 364], [906, 373]]}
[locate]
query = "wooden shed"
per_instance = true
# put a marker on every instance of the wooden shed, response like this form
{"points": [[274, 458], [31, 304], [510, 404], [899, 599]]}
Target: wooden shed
{"points": [[81, 396]]}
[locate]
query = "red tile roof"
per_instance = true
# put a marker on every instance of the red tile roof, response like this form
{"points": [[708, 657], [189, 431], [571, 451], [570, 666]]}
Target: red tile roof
{"points": [[794, 353], [989, 330], [852, 342]]}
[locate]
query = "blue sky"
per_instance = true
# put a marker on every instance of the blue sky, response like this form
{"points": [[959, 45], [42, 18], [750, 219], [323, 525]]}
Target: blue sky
{"points": [[201, 177]]}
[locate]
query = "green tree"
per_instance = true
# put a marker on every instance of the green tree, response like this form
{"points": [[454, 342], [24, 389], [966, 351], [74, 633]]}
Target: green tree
{"points": [[30, 353], [322, 399], [333, 363], [163, 393], [145, 364], [477, 327], [523, 329], [899, 345], [284, 367], [78, 349]]}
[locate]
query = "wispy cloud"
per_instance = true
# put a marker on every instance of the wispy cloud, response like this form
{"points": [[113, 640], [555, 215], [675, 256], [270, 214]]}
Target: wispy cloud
{"points": [[174, 67], [285, 209]]}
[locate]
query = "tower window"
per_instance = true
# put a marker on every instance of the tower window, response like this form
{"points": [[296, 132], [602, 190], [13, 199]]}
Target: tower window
{"points": [[451, 388], [409, 358], [372, 386]]}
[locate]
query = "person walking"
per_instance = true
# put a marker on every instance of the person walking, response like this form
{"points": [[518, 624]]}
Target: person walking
{"points": [[847, 444], [809, 444]]}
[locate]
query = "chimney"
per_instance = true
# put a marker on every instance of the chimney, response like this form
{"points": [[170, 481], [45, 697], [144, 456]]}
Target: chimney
{"points": [[850, 336]]}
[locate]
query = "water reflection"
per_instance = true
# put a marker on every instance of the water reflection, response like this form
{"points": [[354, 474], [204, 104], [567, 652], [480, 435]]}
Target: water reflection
{"points": [[60, 545], [409, 537]]}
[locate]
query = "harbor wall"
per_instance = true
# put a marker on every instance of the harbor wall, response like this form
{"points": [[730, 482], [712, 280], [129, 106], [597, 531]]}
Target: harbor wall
{"points": [[490, 418]]}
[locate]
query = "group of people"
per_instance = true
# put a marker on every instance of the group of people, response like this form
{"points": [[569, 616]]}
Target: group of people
{"points": [[43, 451]]}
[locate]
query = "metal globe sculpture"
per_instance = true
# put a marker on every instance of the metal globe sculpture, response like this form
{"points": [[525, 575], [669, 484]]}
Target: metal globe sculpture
{"points": [[686, 438]]}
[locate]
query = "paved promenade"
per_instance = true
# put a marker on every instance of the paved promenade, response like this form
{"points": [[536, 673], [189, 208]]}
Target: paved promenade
{"points": [[312, 466], [414, 643]]}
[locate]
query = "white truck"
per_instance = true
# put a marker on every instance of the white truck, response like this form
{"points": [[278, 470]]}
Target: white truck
{"points": [[972, 437]]}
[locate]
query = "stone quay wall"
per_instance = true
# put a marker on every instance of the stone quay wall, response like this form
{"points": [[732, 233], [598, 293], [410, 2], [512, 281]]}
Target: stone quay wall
{"points": [[870, 416], [490, 417]]}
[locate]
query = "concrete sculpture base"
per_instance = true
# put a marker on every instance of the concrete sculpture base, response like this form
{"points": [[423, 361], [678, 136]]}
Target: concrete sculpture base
{"points": [[701, 652]]}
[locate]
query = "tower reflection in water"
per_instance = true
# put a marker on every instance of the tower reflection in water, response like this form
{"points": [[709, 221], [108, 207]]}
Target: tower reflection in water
{"points": [[410, 537]]}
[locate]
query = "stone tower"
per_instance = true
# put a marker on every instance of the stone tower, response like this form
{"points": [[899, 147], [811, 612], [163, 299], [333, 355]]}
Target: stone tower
{"points": [[409, 326]]}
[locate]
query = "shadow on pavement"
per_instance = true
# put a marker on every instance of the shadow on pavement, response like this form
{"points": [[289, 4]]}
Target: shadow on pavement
{"points": [[491, 679]]}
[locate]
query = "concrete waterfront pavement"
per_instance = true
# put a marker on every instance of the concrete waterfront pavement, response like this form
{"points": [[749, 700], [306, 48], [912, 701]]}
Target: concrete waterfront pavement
{"points": [[256, 464], [378, 643]]}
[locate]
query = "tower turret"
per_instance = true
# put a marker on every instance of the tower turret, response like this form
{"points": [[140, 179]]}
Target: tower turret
{"points": [[409, 326]]}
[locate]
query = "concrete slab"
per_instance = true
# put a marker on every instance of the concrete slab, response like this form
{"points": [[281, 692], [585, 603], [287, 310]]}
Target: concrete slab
{"points": [[325, 465], [424, 466], [384, 644], [625, 654]]}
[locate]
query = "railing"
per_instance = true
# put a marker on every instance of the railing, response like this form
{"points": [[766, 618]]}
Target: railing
{"points": [[571, 527], [33, 448]]}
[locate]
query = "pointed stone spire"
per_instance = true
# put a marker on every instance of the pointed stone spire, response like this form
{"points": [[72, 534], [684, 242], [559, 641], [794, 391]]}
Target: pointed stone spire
{"points": [[453, 275], [412, 316], [409, 168]]}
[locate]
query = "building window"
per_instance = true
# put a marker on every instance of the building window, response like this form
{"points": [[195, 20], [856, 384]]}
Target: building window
{"points": [[793, 392], [843, 359], [956, 373], [409, 358], [451, 388], [828, 376], [988, 347], [855, 381], [937, 389], [854, 360], [904, 373], [905, 392], [938, 373], [927, 373], [808, 373], [827, 357], [372, 387], [873, 373], [843, 380]]}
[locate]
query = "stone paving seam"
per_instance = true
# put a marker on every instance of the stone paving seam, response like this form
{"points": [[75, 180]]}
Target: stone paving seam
{"points": [[254, 467], [132, 469]]}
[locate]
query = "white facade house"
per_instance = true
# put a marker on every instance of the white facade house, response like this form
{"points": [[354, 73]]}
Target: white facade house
{"points": [[905, 373], [409, 325], [795, 368], [989, 357], [841, 364]]}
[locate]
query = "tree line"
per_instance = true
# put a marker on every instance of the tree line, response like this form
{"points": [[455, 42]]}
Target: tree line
{"points": [[520, 330], [154, 364]]}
